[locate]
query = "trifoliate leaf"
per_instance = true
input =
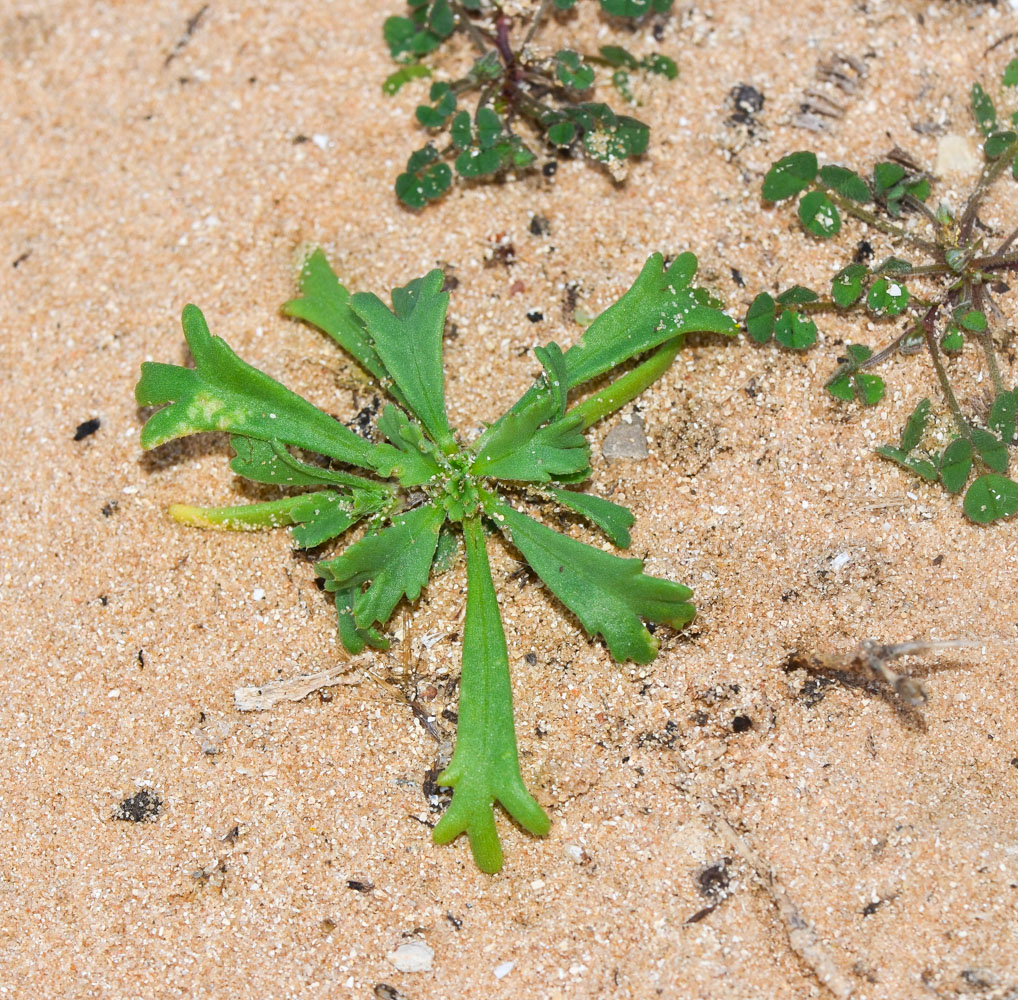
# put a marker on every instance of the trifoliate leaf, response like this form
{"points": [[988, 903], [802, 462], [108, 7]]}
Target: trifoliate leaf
{"points": [[223, 393], [887, 297], [790, 175], [956, 464], [613, 520], [425, 178], [846, 285], [819, 215], [795, 331], [760, 318], [660, 65], [394, 562], [408, 339], [572, 71], [990, 498], [608, 594], [846, 182]]}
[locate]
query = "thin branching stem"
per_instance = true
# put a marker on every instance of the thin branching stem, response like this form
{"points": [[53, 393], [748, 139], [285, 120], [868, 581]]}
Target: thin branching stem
{"points": [[872, 219], [471, 29], [535, 24]]}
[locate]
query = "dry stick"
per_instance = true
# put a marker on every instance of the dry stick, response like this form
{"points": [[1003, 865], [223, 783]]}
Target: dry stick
{"points": [[258, 698], [802, 937]]}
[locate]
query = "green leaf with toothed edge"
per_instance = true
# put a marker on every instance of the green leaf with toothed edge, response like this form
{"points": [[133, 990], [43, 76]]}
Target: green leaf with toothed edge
{"points": [[608, 594], [224, 393], [485, 766], [613, 520], [394, 562], [660, 305], [408, 339]]}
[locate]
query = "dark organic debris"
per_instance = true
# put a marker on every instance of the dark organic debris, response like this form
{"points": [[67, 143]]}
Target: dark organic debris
{"points": [[143, 807]]}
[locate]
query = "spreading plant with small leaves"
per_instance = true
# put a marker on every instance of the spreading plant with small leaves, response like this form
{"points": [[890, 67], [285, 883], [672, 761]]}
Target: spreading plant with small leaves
{"points": [[423, 488], [519, 94], [944, 290]]}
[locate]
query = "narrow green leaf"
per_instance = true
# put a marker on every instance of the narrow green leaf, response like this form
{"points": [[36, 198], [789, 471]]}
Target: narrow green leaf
{"points": [[1010, 77], [915, 426], [922, 467], [617, 56], [613, 520], [608, 594], [983, 110], [990, 498], [794, 331], [270, 462], [325, 303], [408, 339], [223, 393], [790, 175], [485, 765], [760, 318], [555, 375], [411, 71], [394, 562], [1003, 415], [956, 464]]}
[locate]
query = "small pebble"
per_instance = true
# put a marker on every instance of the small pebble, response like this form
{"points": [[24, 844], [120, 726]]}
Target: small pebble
{"points": [[503, 970], [626, 440], [413, 956]]}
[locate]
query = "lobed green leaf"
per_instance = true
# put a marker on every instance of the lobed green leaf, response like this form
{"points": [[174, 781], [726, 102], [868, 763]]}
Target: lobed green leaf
{"points": [[224, 393], [608, 594]]}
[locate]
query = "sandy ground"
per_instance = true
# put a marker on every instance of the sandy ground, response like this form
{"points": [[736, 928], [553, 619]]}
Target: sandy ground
{"points": [[724, 825]]}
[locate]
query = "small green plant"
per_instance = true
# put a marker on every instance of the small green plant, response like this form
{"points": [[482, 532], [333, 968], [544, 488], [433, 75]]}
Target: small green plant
{"points": [[948, 299], [422, 488], [521, 93]]}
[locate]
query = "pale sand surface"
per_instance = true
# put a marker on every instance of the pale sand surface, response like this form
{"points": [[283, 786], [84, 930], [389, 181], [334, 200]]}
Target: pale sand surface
{"points": [[295, 858]]}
